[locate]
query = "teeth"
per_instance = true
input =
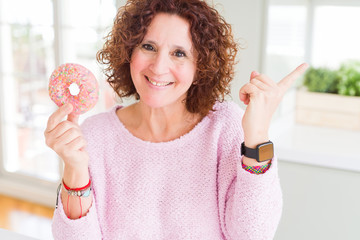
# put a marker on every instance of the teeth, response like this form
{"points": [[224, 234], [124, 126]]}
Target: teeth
{"points": [[157, 83]]}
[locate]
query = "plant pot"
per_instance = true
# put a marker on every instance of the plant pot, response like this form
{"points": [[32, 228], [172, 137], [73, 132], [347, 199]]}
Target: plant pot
{"points": [[329, 110]]}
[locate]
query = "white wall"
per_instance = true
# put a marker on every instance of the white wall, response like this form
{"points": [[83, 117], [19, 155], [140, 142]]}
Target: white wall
{"points": [[245, 18]]}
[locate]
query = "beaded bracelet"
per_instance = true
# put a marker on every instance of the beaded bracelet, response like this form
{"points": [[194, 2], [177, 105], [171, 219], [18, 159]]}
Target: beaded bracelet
{"points": [[256, 169]]}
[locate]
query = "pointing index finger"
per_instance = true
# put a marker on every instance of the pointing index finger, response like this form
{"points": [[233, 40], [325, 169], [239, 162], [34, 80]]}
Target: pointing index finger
{"points": [[287, 81]]}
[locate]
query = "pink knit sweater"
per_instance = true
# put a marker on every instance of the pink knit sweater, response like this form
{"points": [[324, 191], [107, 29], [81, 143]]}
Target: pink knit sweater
{"points": [[190, 188]]}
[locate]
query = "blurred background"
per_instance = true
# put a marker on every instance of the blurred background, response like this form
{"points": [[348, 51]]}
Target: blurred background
{"points": [[316, 129]]}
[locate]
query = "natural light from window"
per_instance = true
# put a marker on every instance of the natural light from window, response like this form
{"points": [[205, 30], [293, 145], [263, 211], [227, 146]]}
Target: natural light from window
{"points": [[336, 35], [34, 38]]}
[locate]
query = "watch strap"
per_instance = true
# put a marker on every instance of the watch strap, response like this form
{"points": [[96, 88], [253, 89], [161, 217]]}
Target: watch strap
{"points": [[249, 152]]}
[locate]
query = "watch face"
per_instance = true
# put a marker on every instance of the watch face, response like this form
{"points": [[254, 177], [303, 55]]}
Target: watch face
{"points": [[266, 152]]}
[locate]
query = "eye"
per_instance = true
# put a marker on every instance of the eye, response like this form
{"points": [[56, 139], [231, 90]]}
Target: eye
{"points": [[179, 53], [148, 47]]}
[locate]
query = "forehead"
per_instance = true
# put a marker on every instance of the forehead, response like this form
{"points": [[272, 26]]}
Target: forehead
{"points": [[169, 29]]}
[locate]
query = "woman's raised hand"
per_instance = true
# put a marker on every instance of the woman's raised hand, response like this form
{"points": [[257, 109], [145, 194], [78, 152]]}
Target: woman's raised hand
{"points": [[262, 96], [66, 139]]}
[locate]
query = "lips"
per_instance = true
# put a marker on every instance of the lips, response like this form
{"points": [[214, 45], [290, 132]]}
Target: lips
{"points": [[156, 83]]}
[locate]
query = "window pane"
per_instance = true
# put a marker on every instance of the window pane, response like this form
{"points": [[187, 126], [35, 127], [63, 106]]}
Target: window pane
{"points": [[80, 44], [285, 39], [27, 58], [32, 50], [26, 12], [335, 36], [285, 47], [88, 13], [27, 47], [25, 116], [82, 35]]}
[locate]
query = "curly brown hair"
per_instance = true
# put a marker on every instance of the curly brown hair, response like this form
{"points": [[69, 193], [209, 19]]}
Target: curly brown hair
{"points": [[212, 40]]}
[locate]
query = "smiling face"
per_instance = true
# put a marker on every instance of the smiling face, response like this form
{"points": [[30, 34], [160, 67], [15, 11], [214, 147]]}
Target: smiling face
{"points": [[163, 65]]}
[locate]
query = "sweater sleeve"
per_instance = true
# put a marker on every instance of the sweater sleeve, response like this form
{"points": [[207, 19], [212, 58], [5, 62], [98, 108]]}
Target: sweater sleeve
{"points": [[250, 205], [85, 228]]}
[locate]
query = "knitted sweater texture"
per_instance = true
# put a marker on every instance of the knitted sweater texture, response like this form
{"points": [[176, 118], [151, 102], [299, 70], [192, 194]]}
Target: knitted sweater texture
{"points": [[193, 187]]}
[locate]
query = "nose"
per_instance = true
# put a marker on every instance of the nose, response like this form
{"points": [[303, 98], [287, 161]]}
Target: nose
{"points": [[160, 64]]}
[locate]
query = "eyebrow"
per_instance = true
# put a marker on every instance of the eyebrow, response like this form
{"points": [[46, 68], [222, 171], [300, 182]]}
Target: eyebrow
{"points": [[175, 46]]}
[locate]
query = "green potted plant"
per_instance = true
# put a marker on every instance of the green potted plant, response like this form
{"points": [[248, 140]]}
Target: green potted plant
{"points": [[330, 97], [321, 80], [349, 79]]}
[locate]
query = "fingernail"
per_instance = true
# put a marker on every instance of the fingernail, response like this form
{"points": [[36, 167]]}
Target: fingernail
{"points": [[254, 74]]}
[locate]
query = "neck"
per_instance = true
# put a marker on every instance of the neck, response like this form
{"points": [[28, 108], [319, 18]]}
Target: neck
{"points": [[163, 124]]}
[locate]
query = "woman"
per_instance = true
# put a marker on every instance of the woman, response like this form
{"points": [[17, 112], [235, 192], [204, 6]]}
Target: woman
{"points": [[170, 166]]}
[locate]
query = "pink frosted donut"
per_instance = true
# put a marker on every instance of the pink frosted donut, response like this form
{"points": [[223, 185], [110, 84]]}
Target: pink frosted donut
{"points": [[75, 84]]}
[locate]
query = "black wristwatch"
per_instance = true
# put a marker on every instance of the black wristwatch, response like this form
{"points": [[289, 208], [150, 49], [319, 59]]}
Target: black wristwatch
{"points": [[262, 152]]}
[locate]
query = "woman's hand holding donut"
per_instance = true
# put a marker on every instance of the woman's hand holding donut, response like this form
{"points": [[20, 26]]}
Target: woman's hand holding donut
{"points": [[262, 96], [66, 139]]}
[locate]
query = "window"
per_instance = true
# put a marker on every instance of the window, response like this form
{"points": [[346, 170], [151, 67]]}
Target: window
{"points": [[34, 39], [319, 32], [335, 39]]}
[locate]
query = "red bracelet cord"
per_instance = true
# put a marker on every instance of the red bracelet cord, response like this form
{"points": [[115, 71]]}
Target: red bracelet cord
{"points": [[67, 207], [75, 189]]}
